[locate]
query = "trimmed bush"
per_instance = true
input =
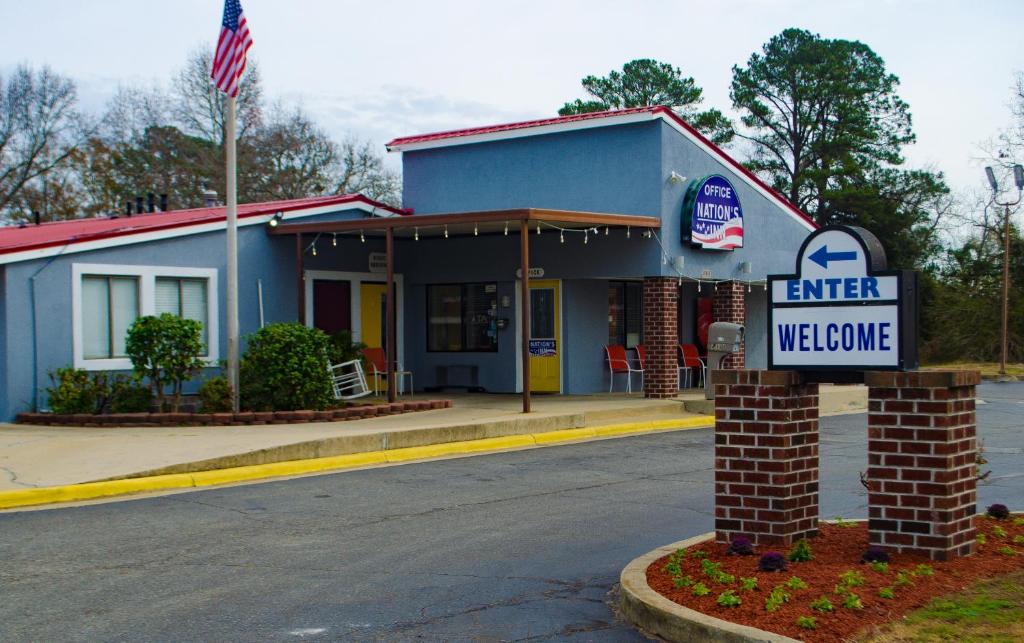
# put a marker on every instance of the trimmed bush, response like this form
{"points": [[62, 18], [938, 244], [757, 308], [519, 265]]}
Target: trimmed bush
{"points": [[215, 395], [741, 546], [165, 349], [285, 369], [74, 390], [998, 511], [129, 395], [773, 561]]}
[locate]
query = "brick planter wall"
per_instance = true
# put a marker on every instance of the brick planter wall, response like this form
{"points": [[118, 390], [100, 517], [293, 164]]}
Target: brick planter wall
{"points": [[921, 462], [730, 305], [766, 456], [661, 337]]}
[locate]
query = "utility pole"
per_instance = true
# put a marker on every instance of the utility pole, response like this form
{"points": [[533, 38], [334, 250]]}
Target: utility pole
{"points": [[1018, 177]]}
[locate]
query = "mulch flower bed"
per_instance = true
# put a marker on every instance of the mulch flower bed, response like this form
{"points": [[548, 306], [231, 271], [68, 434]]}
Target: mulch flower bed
{"points": [[355, 412], [836, 551]]}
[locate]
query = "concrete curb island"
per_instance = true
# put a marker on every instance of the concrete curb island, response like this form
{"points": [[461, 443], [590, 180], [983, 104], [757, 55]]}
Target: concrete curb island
{"points": [[104, 489], [653, 613]]}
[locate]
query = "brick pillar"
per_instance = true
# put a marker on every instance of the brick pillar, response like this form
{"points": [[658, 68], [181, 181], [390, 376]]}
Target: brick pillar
{"points": [[730, 305], [766, 456], [921, 462], [661, 337]]}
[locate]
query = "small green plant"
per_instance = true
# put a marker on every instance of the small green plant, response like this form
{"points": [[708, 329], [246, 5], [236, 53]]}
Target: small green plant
{"points": [[1006, 550], [700, 589], [710, 568], [215, 395], [822, 605], [851, 578], [74, 390], [807, 622], [795, 583], [749, 584], [1018, 540], [728, 598], [881, 568], [1018, 522], [923, 570], [852, 602], [776, 599], [886, 592], [699, 554], [903, 579], [801, 552], [998, 532], [679, 555], [672, 568], [682, 581], [982, 539], [845, 524]]}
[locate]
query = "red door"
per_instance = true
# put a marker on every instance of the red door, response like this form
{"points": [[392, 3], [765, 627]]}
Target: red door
{"points": [[332, 305]]}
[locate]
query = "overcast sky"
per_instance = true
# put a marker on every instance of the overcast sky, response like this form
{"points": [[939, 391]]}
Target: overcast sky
{"points": [[380, 69]]}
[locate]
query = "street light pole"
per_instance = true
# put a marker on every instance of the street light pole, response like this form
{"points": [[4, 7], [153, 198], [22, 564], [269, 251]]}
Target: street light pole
{"points": [[1018, 177]]}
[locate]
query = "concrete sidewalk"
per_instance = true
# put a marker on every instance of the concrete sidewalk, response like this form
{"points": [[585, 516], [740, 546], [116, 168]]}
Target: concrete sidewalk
{"points": [[38, 456]]}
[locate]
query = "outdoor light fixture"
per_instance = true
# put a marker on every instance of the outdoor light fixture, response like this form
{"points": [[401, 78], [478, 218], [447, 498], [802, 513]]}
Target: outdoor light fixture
{"points": [[276, 219], [538, 227], [446, 231], [992, 178], [676, 177], [476, 231], [362, 237], [334, 239], [314, 248], [506, 228], [627, 232], [586, 236], [416, 234], [606, 231], [561, 236]]}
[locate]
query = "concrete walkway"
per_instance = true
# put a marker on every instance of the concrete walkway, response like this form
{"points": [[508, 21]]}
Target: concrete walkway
{"points": [[35, 456]]}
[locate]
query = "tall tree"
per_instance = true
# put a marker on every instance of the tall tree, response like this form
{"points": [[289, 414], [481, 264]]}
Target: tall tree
{"points": [[199, 109], [40, 127], [645, 82], [362, 170], [820, 113]]}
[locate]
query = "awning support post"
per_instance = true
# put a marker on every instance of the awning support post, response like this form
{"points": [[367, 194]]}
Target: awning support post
{"points": [[392, 342], [524, 250], [300, 268]]}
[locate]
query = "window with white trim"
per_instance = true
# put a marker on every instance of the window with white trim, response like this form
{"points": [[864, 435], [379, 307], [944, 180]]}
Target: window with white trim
{"points": [[183, 297], [109, 306], [107, 298]]}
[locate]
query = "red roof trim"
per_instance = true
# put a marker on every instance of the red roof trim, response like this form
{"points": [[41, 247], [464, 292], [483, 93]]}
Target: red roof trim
{"points": [[59, 233], [660, 110]]}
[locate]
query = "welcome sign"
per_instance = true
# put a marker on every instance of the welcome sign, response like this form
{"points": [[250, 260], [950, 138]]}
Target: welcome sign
{"points": [[712, 215], [842, 310]]}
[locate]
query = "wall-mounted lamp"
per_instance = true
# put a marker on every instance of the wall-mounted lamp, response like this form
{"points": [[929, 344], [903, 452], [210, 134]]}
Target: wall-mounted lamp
{"points": [[276, 219], [676, 177]]}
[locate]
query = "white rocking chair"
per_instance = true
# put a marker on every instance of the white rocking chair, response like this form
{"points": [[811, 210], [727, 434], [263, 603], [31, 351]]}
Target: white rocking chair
{"points": [[348, 380]]}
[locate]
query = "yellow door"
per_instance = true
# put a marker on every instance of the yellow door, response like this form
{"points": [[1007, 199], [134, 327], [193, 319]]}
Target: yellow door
{"points": [[372, 303], [545, 351]]}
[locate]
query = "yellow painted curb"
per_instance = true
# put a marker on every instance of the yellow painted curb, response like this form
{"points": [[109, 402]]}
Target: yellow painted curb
{"points": [[92, 490]]}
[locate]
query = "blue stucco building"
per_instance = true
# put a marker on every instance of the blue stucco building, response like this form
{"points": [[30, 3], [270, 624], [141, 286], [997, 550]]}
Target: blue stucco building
{"points": [[611, 261]]}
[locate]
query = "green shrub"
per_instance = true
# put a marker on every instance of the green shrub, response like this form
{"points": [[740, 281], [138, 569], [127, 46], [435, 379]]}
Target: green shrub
{"points": [[700, 589], [682, 581], [129, 395], [794, 583], [881, 568], [215, 395], [851, 578], [822, 605], [285, 368], [801, 552], [728, 598], [776, 599], [886, 592], [923, 570], [165, 349], [341, 348], [807, 622], [852, 601], [749, 584], [74, 390]]}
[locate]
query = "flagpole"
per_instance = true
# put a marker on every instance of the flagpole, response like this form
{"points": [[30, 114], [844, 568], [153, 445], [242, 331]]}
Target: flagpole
{"points": [[232, 250]]}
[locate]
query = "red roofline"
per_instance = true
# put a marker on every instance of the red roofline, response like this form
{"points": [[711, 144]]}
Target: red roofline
{"points": [[63, 231], [657, 111]]}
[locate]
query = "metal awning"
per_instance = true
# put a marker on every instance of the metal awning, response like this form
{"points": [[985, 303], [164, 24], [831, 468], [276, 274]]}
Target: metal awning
{"points": [[490, 222]]}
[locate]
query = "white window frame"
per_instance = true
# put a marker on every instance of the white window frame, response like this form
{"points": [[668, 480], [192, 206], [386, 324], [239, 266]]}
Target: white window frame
{"points": [[147, 276]]}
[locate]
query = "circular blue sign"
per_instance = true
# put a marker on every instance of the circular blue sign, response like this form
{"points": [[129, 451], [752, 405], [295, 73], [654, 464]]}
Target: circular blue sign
{"points": [[712, 215]]}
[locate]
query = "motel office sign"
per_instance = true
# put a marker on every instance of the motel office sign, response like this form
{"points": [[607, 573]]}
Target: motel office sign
{"points": [[842, 310]]}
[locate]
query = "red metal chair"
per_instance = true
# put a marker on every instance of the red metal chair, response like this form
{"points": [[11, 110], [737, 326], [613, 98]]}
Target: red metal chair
{"points": [[689, 360], [641, 355], [618, 364], [378, 362]]}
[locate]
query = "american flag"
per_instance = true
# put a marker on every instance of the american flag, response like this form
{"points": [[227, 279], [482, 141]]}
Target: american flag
{"points": [[229, 59]]}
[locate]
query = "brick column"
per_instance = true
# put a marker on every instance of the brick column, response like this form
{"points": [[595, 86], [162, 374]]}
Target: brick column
{"points": [[766, 456], [730, 305], [661, 337], [922, 462]]}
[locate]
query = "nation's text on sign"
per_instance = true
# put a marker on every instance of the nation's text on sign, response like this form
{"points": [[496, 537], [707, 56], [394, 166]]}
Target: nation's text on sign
{"points": [[842, 310]]}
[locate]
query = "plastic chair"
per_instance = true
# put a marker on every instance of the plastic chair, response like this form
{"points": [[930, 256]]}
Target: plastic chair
{"points": [[348, 380], [618, 364], [641, 355], [691, 360], [378, 361]]}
